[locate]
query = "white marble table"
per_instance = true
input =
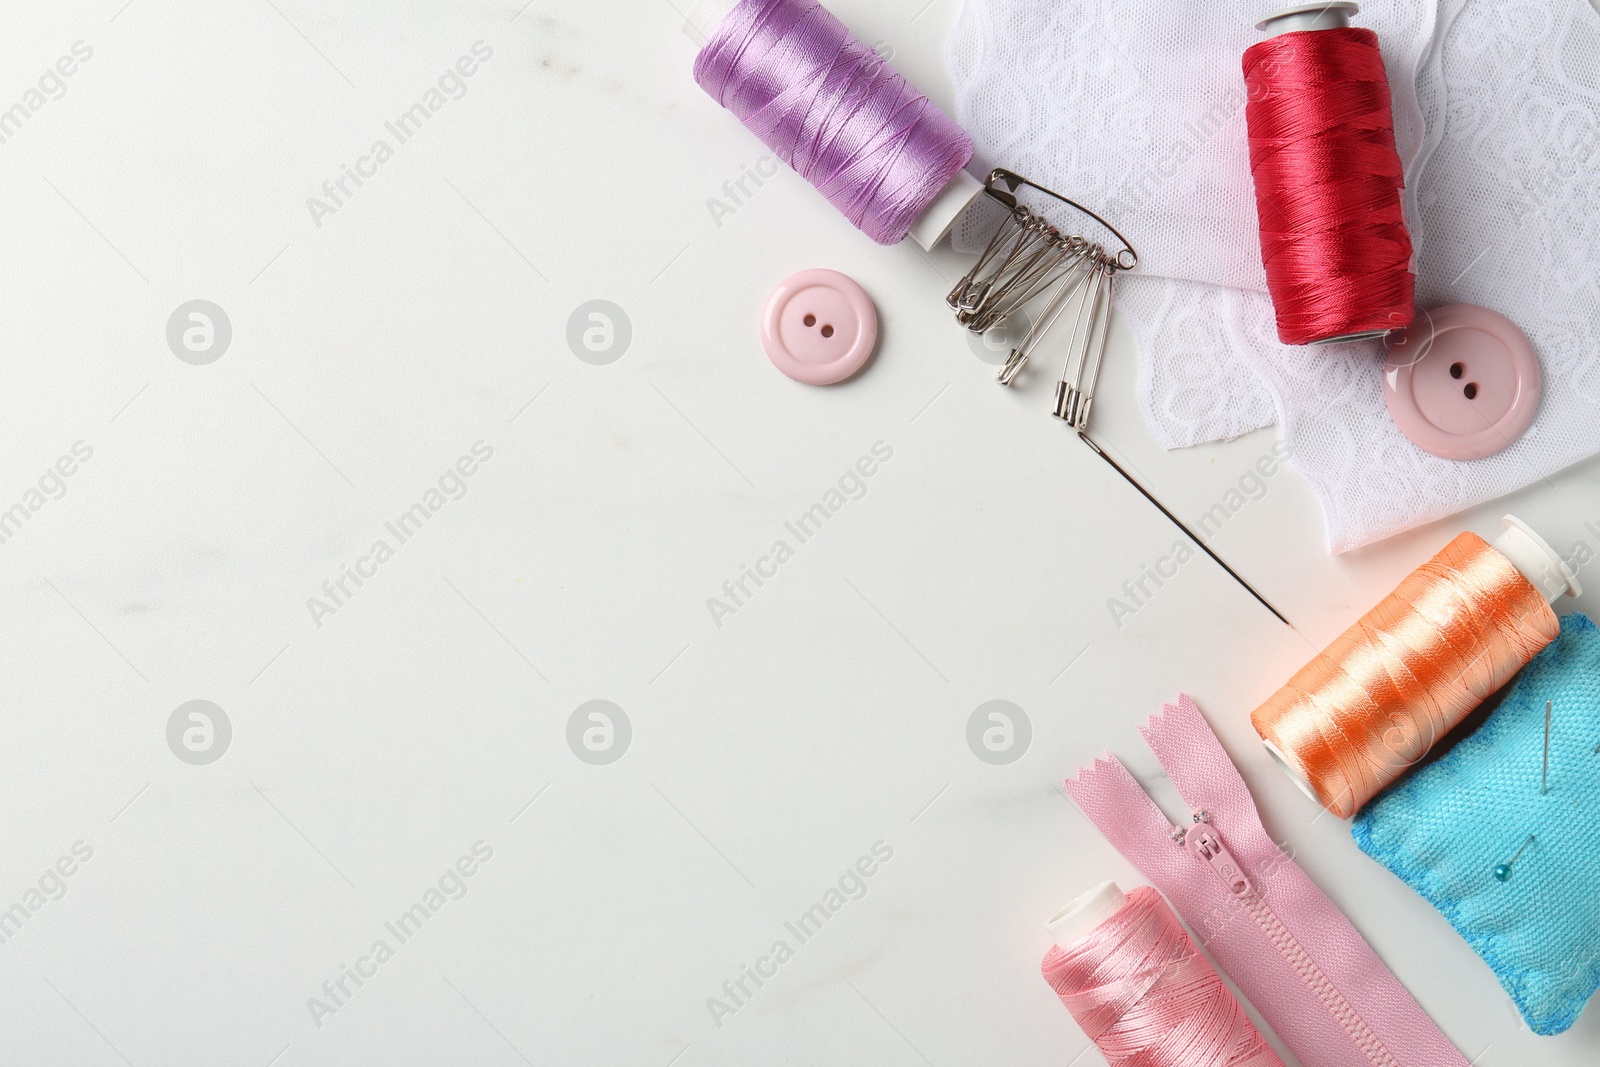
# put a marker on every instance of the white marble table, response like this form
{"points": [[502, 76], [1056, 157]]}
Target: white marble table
{"points": [[371, 746]]}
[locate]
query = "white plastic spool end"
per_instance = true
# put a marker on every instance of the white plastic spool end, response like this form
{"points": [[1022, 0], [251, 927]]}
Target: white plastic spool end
{"points": [[947, 207], [704, 16], [1538, 562], [1296, 775], [1085, 913], [1332, 14]]}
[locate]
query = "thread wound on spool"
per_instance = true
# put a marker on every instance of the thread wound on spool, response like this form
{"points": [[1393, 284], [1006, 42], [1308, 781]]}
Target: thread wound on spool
{"points": [[831, 108], [1328, 179], [1390, 687], [1142, 992]]}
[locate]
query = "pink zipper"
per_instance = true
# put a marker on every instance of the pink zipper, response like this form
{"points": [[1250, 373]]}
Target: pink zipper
{"points": [[1310, 974], [1201, 840]]}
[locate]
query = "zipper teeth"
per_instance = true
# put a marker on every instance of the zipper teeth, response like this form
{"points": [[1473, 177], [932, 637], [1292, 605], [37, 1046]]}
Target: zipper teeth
{"points": [[1312, 975]]}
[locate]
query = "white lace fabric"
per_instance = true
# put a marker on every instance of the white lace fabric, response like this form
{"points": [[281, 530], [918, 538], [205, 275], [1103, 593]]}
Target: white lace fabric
{"points": [[1498, 118]]}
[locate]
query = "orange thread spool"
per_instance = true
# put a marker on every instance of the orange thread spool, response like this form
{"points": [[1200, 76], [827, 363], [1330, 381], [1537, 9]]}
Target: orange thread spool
{"points": [[1375, 701]]}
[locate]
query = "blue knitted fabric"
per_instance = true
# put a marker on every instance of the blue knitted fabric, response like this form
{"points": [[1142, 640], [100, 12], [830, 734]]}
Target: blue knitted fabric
{"points": [[1446, 828]]}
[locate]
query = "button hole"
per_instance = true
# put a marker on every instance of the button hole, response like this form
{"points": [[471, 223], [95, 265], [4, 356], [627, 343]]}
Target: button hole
{"points": [[827, 331], [1456, 369], [811, 320], [1471, 391]]}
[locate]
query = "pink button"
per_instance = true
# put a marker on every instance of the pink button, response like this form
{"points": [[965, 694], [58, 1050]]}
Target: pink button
{"points": [[1461, 382], [819, 327]]}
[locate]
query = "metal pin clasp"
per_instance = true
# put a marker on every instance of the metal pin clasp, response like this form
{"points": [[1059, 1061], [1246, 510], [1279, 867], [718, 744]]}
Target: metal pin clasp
{"points": [[1086, 349], [1072, 404]]}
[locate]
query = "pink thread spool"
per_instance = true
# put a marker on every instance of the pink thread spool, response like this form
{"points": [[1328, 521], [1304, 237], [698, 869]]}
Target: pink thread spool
{"points": [[1134, 981]]}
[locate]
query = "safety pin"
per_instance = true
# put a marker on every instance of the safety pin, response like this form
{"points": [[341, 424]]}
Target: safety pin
{"points": [[1035, 251], [1066, 289], [1025, 256], [1063, 251], [1075, 390]]}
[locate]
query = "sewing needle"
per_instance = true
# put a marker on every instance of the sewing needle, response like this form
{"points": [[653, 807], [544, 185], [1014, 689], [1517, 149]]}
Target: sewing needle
{"points": [[1190, 534], [1544, 779]]}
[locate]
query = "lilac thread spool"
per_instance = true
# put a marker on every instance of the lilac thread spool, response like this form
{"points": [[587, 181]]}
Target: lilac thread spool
{"points": [[831, 108]]}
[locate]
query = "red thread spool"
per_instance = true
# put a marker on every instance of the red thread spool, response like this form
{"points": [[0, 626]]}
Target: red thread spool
{"points": [[1328, 178]]}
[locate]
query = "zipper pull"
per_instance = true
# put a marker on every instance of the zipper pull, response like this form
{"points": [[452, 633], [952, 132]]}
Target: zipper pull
{"points": [[1203, 841]]}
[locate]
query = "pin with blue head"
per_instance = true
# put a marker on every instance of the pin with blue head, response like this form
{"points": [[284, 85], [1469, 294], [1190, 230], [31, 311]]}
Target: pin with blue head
{"points": [[1502, 871]]}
